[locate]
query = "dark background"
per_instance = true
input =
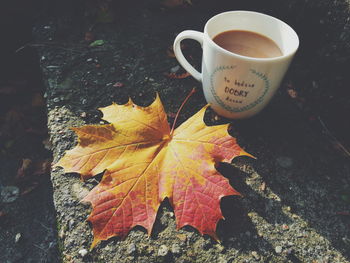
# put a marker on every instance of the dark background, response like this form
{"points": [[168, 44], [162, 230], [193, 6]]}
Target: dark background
{"points": [[323, 28]]}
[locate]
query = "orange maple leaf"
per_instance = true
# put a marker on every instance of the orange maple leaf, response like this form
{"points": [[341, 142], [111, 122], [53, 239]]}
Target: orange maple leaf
{"points": [[145, 162]]}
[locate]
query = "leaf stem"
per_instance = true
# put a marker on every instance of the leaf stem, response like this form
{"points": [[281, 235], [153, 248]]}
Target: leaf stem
{"points": [[178, 112]]}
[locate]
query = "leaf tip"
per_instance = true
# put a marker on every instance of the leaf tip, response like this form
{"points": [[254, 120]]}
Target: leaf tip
{"points": [[130, 102], [94, 243], [244, 153]]}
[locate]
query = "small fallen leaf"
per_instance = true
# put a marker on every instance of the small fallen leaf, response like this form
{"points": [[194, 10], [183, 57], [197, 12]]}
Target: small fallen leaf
{"points": [[144, 162], [118, 85], [97, 43], [89, 36], [26, 164], [38, 100], [42, 167], [170, 52], [31, 170], [29, 188], [292, 93], [177, 76]]}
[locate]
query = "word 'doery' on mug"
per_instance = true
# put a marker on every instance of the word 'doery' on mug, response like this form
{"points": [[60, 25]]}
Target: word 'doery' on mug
{"points": [[245, 56]]}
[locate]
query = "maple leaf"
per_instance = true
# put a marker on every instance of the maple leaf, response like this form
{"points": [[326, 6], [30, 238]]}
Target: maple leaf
{"points": [[145, 162]]}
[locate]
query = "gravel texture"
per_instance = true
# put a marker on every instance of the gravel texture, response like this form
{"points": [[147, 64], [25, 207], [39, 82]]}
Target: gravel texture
{"points": [[291, 192]]}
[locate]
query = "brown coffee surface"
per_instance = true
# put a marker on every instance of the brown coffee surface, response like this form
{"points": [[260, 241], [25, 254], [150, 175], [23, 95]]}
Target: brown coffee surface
{"points": [[247, 43]]}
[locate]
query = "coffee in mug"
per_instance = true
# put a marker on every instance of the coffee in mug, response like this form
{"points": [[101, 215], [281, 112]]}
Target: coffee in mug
{"points": [[245, 56], [247, 43]]}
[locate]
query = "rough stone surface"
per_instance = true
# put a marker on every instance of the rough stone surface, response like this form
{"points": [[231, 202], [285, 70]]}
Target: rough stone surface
{"points": [[278, 249], [306, 197], [175, 249], [131, 249], [83, 252], [163, 251]]}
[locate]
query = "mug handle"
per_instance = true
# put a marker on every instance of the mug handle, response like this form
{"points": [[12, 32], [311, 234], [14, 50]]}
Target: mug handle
{"points": [[190, 34]]}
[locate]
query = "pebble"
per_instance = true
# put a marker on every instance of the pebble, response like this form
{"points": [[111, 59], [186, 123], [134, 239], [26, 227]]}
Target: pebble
{"points": [[62, 233], [255, 255], [285, 227], [219, 247], [52, 244], [284, 161], [278, 249], [77, 190], [222, 260], [83, 252], [300, 234], [175, 249], [18, 237], [9, 194], [52, 67], [163, 251], [290, 244], [289, 251], [89, 60], [131, 248], [175, 69]]}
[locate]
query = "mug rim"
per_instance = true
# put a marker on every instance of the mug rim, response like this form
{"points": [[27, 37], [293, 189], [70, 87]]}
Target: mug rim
{"points": [[284, 56]]}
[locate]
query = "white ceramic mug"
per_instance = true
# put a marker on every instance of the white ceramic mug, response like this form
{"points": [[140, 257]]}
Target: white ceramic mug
{"points": [[238, 86]]}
